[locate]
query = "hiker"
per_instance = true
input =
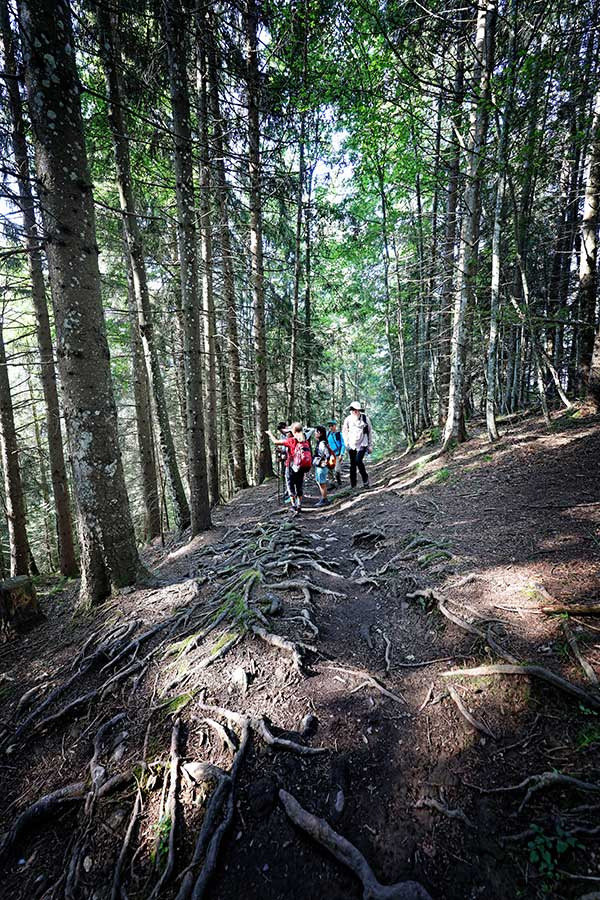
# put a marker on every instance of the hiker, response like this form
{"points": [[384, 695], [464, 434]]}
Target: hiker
{"points": [[358, 438], [338, 448], [283, 458], [321, 463], [298, 461]]}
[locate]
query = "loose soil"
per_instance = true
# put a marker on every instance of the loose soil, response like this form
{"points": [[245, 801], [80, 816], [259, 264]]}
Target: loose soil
{"points": [[496, 532]]}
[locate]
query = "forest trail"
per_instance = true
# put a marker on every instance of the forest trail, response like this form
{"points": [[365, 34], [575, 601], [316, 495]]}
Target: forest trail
{"points": [[446, 562]]}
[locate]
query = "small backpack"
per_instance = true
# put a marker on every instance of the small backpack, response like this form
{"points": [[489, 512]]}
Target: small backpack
{"points": [[302, 459]]}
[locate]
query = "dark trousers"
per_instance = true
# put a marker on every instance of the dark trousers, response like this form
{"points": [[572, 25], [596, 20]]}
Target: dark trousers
{"points": [[296, 482], [356, 462]]}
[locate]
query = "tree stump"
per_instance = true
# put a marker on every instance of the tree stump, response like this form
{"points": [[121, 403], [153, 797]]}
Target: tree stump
{"points": [[19, 607]]}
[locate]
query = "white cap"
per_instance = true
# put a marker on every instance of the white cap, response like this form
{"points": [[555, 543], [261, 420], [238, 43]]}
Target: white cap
{"points": [[356, 405]]}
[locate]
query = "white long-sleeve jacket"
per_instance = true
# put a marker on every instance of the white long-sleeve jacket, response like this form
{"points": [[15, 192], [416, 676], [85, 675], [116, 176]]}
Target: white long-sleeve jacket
{"points": [[358, 432]]}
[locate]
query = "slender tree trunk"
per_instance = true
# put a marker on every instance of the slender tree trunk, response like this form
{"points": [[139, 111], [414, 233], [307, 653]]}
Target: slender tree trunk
{"points": [[175, 33], [236, 409], [143, 417], [447, 291], [467, 267], [109, 553], [295, 334], [208, 300], [111, 58], [264, 463], [588, 263], [13, 488], [58, 473], [307, 326], [44, 484]]}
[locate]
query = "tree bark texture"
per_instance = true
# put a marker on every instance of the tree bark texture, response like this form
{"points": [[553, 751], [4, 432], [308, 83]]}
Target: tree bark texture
{"points": [[264, 463], [143, 417], [135, 251], [588, 263], [175, 33], [58, 473], [208, 301], [468, 260], [235, 411], [13, 488], [109, 553]]}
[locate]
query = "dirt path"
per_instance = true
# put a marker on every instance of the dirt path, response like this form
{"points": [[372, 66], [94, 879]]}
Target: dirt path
{"points": [[443, 564]]}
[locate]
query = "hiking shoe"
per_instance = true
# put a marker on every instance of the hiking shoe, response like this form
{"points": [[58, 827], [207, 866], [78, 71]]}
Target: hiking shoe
{"points": [[323, 502], [366, 485]]}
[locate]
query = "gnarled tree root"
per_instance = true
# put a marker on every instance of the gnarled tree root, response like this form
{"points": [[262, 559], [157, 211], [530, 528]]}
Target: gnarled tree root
{"points": [[349, 855], [537, 671]]}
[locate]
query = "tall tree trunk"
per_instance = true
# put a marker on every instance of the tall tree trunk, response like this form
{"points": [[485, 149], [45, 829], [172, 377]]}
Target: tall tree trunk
{"points": [[109, 552], [588, 263], [44, 485], [468, 261], [264, 463], [111, 59], [60, 488], [295, 333], [236, 410], [307, 325], [13, 488], [208, 300], [449, 246], [175, 33], [143, 417]]}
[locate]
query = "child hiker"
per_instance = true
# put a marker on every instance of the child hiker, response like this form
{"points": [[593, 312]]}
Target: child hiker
{"points": [[320, 462], [298, 461], [338, 448]]}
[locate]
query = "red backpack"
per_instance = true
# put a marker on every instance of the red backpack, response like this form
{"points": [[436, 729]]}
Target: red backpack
{"points": [[302, 458]]}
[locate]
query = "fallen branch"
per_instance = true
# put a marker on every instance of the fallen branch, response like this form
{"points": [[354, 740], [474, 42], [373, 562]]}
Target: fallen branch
{"points": [[536, 671], [579, 609], [349, 855], [460, 705]]}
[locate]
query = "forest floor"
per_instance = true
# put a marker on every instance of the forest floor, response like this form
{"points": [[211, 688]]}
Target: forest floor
{"points": [[474, 785]]}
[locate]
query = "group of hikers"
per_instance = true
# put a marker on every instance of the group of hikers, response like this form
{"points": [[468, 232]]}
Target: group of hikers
{"points": [[297, 457]]}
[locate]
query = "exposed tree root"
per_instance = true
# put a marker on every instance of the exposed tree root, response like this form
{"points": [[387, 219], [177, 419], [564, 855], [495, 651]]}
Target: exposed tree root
{"points": [[431, 803], [275, 640], [52, 804], [466, 714], [536, 671], [371, 681], [535, 783], [116, 892], [572, 642], [218, 834], [171, 811], [258, 724], [349, 855]]}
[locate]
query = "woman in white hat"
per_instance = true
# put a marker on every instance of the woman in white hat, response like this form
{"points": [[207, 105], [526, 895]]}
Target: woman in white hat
{"points": [[358, 438]]}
